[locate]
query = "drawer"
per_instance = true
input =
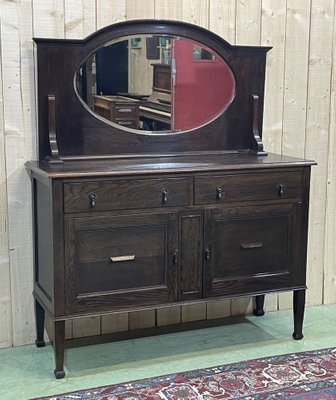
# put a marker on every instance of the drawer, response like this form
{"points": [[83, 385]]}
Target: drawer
{"points": [[125, 194], [129, 123], [126, 111], [247, 187]]}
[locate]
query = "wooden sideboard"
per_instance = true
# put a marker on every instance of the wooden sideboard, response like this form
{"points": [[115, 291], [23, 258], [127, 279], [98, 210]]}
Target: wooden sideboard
{"points": [[128, 220]]}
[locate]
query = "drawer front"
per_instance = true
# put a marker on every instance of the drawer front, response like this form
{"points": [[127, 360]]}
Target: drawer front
{"points": [[129, 123], [125, 194], [120, 261], [126, 111], [247, 187]]}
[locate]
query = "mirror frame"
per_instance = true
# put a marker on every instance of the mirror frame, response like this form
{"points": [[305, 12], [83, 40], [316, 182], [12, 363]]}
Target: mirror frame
{"points": [[68, 131]]}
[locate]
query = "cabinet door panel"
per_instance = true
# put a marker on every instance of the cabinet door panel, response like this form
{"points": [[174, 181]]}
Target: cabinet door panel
{"points": [[253, 249], [121, 261], [191, 255]]}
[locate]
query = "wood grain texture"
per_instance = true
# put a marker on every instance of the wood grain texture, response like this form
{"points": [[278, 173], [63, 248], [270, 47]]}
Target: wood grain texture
{"points": [[273, 31], [196, 12], [287, 29], [6, 333], [109, 12], [114, 323], [20, 130], [168, 316], [222, 19], [83, 327], [248, 22], [79, 18], [172, 9], [194, 312], [298, 15], [329, 288], [248, 30], [143, 9], [218, 309], [317, 125], [141, 319]]}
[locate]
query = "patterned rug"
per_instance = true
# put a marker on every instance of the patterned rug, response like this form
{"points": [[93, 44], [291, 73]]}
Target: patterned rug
{"points": [[299, 376]]}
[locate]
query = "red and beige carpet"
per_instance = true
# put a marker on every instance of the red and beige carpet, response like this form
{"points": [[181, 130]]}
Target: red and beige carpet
{"points": [[298, 376]]}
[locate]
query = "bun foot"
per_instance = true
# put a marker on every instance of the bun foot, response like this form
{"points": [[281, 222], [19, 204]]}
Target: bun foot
{"points": [[258, 312], [40, 343], [297, 336], [59, 374]]}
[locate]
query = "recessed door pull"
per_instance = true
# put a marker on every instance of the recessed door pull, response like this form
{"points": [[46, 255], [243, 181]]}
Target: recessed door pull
{"points": [[255, 245], [130, 257]]}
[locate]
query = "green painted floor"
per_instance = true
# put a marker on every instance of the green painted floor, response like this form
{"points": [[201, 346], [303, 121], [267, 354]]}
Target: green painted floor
{"points": [[27, 371]]}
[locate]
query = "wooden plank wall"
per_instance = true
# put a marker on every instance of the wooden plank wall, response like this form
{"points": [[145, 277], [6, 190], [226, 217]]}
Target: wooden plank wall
{"points": [[300, 120]]}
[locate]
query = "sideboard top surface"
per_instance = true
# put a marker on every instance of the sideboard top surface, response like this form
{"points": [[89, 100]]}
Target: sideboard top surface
{"points": [[165, 164]]}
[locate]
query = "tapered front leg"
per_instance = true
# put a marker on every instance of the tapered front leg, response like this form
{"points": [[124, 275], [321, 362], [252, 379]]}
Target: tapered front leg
{"points": [[39, 320], [259, 305], [59, 340], [298, 310]]}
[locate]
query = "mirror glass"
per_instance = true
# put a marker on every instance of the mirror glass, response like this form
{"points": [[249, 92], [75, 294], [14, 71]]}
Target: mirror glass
{"points": [[155, 84]]}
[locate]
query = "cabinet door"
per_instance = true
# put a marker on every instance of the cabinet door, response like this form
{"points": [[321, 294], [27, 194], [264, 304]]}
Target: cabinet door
{"points": [[254, 250], [120, 262]]}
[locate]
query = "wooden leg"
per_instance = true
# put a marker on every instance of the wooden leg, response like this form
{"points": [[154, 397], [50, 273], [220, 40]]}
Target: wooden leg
{"points": [[298, 310], [59, 341], [39, 319], [259, 305]]}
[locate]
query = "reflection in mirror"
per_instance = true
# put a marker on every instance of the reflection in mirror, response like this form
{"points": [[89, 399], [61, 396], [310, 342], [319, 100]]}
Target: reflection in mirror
{"points": [[156, 84]]}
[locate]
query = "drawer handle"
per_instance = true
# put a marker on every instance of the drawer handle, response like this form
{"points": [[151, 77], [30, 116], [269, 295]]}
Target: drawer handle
{"points": [[125, 123], [125, 110], [207, 254], [130, 257], [219, 193], [92, 199], [164, 194], [281, 189], [255, 245]]}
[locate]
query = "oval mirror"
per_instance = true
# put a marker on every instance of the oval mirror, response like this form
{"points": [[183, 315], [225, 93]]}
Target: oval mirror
{"points": [[155, 84]]}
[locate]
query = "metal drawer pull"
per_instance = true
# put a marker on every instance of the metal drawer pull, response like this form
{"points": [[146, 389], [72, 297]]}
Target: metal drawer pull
{"points": [[281, 189], [255, 245], [164, 194], [130, 257], [126, 123], [125, 110], [219, 192], [92, 199]]}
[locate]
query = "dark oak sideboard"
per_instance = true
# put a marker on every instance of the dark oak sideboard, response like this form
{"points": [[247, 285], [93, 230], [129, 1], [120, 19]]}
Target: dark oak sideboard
{"points": [[155, 201], [111, 237]]}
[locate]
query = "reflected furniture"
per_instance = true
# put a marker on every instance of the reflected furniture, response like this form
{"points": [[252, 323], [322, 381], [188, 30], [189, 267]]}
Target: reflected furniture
{"points": [[119, 109], [127, 219]]}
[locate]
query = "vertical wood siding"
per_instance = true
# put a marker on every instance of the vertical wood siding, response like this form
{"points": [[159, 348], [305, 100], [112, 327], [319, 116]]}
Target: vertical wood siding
{"points": [[299, 120]]}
